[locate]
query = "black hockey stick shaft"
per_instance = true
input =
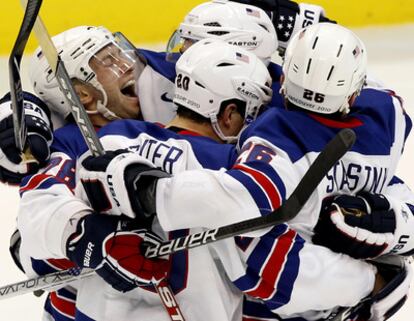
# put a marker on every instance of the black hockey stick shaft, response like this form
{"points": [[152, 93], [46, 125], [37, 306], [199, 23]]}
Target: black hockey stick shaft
{"points": [[66, 86], [331, 154], [16, 91]]}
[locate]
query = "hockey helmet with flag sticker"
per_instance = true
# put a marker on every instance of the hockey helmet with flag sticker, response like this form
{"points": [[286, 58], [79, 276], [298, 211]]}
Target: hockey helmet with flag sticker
{"points": [[324, 68], [212, 72], [76, 47], [238, 24]]}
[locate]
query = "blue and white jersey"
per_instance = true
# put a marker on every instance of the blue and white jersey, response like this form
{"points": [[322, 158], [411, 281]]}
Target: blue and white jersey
{"points": [[275, 152], [291, 140], [278, 148], [155, 87], [48, 203], [244, 260]]}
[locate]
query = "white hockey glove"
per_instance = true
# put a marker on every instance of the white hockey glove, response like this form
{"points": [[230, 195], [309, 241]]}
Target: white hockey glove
{"points": [[39, 138], [388, 300], [120, 182], [361, 226]]}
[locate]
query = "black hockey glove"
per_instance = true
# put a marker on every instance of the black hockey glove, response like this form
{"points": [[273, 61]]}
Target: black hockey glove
{"points": [[289, 17], [114, 249], [39, 138], [361, 226], [121, 182]]}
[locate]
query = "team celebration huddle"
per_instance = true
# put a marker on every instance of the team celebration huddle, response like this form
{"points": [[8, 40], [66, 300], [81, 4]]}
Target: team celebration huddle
{"points": [[206, 182]]}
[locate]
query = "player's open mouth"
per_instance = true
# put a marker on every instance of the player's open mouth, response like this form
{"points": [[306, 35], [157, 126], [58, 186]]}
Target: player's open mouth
{"points": [[128, 89]]}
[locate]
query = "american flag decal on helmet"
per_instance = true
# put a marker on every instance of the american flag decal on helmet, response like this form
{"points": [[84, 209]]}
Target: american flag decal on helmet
{"points": [[241, 57], [253, 12]]}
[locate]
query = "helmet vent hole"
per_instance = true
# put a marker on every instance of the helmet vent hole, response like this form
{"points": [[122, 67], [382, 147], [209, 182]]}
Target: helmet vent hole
{"points": [[315, 42], [264, 27], [198, 84], [340, 49], [76, 53], [218, 33], [225, 64], [40, 54], [212, 24], [330, 72], [341, 83], [91, 46], [295, 68], [309, 65], [86, 42]]}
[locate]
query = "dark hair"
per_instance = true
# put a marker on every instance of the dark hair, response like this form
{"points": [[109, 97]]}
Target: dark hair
{"points": [[184, 112]]}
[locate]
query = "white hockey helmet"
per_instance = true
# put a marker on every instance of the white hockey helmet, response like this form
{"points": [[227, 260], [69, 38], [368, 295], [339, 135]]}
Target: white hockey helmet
{"points": [[325, 64], [238, 24], [211, 72], [76, 47]]}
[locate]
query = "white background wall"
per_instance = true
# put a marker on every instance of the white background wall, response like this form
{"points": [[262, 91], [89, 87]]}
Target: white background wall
{"points": [[391, 58]]}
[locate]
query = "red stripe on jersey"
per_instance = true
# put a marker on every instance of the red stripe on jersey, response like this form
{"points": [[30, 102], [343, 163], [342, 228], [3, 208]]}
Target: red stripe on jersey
{"points": [[63, 305], [269, 188], [274, 266], [61, 264], [350, 122], [34, 182]]}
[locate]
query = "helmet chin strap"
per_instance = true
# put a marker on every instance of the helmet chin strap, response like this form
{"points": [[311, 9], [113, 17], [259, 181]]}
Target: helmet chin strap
{"points": [[219, 132], [101, 104]]}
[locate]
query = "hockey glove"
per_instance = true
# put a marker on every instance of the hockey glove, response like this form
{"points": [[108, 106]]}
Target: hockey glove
{"points": [[39, 138], [121, 182], [289, 17], [388, 300], [114, 249], [361, 226]]}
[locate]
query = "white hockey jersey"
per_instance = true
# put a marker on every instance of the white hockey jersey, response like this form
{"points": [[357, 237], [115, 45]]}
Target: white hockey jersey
{"points": [[48, 203], [275, 152]]}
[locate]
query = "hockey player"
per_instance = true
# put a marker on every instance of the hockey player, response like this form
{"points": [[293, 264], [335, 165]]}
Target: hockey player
{"points": [[155, 76], [164, 148], [275, 151], [188, 269]]}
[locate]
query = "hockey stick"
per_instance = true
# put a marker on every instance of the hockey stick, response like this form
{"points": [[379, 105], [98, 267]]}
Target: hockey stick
{"points": [[332, 153], [16, 91], [65, 85]]}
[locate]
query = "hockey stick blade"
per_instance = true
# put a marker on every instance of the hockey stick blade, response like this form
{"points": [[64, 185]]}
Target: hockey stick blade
{"points": [[16, 91], [65, 85], [332, 153]]}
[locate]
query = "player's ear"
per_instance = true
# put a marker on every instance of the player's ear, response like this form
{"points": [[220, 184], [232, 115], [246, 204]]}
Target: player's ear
{"points": [[229, 112], [85, 93]]}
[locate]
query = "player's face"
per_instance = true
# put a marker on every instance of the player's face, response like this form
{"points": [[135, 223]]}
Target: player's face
{"points": [[187, 43], [114, 70]]}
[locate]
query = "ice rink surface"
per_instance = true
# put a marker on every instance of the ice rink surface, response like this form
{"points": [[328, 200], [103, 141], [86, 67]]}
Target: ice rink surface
{"points": [[391, 59]]}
